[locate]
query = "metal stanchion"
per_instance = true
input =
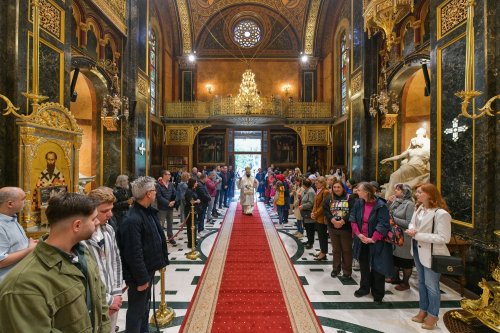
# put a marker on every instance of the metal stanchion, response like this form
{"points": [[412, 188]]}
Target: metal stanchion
{"points": [[164, 314], [193, 255]]}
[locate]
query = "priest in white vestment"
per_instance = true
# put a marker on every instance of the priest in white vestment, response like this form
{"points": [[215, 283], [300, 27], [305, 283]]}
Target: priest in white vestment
{"points": [[247, 185]]}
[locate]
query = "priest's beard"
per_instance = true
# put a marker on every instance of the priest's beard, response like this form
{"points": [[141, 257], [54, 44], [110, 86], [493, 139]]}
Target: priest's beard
{"points": [[248, 174]]}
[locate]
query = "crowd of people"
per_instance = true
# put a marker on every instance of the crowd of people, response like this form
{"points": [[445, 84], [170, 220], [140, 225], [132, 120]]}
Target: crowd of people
{"points": [[114, 240], [357, 219]]}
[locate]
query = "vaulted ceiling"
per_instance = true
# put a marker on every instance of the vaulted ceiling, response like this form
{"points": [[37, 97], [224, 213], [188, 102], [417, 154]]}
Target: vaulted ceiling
{"points": [[277, 28]]}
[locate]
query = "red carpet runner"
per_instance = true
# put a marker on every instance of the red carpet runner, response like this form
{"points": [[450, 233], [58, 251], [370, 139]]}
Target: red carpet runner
{"points": [[250, 296], [248, 285]]}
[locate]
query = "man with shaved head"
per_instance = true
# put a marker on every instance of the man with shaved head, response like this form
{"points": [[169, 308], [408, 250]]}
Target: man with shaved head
{"points": [[14, 245]]}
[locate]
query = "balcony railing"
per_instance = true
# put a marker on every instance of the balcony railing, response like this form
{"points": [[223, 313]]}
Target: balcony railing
{"points": [[270, 108]]}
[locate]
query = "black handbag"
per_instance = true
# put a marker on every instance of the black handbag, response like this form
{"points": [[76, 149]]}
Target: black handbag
{"points": [[449, 265], [306, 213]]}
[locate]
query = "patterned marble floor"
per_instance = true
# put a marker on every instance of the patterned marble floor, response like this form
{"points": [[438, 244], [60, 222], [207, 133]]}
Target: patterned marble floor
{"points": [[333, 300]]}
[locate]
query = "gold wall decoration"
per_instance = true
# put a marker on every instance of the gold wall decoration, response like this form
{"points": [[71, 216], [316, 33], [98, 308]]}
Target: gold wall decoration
{"points": [[185, 26], [116, 11], [312, 18], [450, 15], [299, 129], [356, 84], [317, 136], [142, 85], [177, 136], [51, 18], [389, 120]]}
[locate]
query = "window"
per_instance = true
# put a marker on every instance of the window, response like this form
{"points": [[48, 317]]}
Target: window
{"points": [[153, 73], [247, 33], [344, 68]]}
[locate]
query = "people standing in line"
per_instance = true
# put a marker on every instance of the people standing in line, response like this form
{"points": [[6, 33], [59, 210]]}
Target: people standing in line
{"points": [[298, 189], [103, 248], [337, 208], [223, 198], [269, 185], [430, 229], [57, 288], [261, 176], [179, 195], [308, 198], [14, 245], [279, 200], [218, 186], [286, 188], [212, 190], [165, 201], [370, 223], [401, 208], [319, 217], [123, 197], [204, 196], [143, 249], [191, 198], [232, 183], [247, 185]]}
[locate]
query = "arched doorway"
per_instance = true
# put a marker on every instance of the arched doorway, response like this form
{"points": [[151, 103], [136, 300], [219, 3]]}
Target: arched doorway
{"points": [[84, 109]]}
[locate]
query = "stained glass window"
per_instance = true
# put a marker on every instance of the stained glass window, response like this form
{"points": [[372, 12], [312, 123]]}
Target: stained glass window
{"points": [[153, 74], [247, 33], [343, 72]]}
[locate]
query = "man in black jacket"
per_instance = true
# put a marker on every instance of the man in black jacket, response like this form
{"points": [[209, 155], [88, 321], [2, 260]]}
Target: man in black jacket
{"points": [[204, 196], [165, 199], [143, 249]]}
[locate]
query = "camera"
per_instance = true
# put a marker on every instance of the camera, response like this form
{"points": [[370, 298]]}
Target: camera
{"points": [[338, 218]]}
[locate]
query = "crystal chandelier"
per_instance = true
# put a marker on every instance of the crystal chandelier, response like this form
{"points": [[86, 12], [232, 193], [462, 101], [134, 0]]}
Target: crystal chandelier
{"points": [[248, 99]]}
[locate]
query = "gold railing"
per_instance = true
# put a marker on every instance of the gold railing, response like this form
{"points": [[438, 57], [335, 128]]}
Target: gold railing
{"points": [[226, 107]]}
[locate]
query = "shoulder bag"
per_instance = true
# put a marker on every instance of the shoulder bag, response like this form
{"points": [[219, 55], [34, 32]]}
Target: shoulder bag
{"points": [[449, 265], [395, 234]]}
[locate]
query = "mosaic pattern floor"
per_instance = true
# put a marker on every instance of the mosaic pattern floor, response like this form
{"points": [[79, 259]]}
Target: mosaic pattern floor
{"points": [[332, 299]]}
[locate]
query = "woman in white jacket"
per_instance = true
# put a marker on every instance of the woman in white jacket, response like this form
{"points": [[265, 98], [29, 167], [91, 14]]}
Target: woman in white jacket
{"points": [[430, 226]]}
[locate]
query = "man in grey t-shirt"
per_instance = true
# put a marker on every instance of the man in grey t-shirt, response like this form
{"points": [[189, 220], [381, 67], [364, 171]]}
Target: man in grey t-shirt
{"points": [[14, 245]]}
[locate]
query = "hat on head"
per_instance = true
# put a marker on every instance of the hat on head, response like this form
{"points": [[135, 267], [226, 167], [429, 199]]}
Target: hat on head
{"points": [[247, 168], [312, 177], [280, 177]]}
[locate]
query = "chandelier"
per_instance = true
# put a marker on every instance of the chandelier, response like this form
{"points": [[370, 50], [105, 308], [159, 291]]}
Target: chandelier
{"points": [[248, 99], [385, 101], [114, 107]]}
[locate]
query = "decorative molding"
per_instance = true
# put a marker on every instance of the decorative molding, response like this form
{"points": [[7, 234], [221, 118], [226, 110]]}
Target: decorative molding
{"points": [[389, 120], [450, 14], [185, 64], [142, 85], [317, 136], [177, 136], [356, 84], [52, 19], [116, 12], [185, 26], [299, 130], [310, 64], [312, 19]]}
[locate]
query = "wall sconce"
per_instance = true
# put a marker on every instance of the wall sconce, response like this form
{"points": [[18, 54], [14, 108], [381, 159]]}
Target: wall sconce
{"points": [[469, 94], [114, 107], [209, 88], [286, 89]]}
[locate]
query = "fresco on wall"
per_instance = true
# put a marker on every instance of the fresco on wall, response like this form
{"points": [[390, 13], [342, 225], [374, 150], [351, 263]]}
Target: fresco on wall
{"points": [[284, 148], [211, 148]]}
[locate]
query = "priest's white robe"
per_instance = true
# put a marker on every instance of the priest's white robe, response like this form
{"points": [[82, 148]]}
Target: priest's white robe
{"points": [[247, 186]]}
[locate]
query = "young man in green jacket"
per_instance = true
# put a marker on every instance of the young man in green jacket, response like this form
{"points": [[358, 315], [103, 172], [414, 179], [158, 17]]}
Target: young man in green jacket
{"points": [[57, 287]]}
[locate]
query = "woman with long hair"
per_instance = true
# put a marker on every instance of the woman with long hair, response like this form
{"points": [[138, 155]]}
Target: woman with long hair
{"points": [[370, 223], [430, 229], [337, 207], [319, 216], [401, 209]]}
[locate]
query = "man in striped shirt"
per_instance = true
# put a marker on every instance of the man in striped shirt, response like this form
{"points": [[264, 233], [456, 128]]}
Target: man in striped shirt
{"points": [[102, 245]]}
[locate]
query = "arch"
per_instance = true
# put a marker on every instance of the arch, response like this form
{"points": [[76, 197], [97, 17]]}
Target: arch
{"points": [[109, 38], [342, 29], [77, 15], [407, 24]]}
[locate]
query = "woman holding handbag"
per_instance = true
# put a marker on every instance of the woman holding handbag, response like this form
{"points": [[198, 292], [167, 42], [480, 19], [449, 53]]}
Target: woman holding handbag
{"points": [[430, 229], [401, 210]]}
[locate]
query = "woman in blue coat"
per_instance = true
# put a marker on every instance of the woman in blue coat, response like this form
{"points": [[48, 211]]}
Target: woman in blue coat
{"points": [[370, 223]]}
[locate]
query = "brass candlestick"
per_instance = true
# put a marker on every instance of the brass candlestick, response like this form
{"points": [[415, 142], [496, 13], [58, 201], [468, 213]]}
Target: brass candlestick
{"points": [[164, 314], [193, 255]]}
